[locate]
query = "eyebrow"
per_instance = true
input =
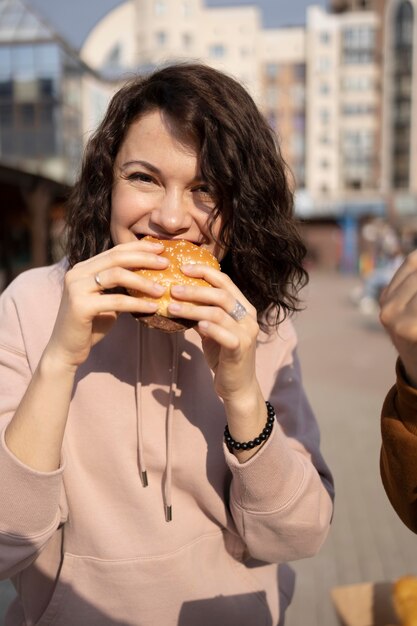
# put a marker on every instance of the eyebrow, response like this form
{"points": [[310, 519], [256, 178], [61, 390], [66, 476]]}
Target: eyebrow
{"points": [[153, 168], [148, 166]]}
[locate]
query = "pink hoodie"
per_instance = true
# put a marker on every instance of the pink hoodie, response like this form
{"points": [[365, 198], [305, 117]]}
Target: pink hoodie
{"points": [[90, 545]]}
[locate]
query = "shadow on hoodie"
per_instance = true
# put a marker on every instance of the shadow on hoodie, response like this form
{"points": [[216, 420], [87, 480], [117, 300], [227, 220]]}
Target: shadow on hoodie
{"points": [[65, 606], [222, 610]]}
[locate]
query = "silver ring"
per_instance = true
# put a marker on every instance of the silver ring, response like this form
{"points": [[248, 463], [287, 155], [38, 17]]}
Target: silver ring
{"points": [[238, 312], [98, 281]]}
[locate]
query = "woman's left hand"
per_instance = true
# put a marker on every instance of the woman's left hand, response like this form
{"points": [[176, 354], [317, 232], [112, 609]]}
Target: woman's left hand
{"points": [[228, 344]]}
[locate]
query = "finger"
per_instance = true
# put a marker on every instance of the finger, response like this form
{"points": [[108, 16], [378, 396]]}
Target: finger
{"points": [[227, 295], [247, 330], [120, 277], [217, 279], [225, 338], [212, 296], [408, 267], [121, 303], [128, 256], [397, 298]]}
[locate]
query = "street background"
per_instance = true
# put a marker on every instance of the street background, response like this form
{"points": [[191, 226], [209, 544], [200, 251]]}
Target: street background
{"points": [[348, 366]]}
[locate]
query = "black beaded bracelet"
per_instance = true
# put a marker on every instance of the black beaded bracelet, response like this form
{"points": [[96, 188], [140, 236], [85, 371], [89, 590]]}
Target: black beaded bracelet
{"points": [[263, 436]]}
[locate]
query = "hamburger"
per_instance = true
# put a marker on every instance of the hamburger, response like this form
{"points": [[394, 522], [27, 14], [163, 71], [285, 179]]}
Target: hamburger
{"points": [[179, 252], [405, 600]]}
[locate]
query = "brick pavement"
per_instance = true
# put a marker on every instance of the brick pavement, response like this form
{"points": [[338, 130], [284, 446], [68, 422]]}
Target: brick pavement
{"points": [[347, 365]]}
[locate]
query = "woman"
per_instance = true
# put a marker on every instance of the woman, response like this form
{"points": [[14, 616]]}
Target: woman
{"points": [[105, 422]]}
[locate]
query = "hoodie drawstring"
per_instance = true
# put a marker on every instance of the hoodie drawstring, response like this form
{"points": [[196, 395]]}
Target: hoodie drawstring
{"points": [[167, 482], [138, 397], [169, 420]]}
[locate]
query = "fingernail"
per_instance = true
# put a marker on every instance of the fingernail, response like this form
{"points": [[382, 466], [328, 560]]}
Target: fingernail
{"points": [[159, 289], [174, 307], [161, 260], [178, 289]]}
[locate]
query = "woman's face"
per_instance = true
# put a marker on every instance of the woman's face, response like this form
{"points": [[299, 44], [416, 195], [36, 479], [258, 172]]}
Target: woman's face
{"points": [[158, 189]]}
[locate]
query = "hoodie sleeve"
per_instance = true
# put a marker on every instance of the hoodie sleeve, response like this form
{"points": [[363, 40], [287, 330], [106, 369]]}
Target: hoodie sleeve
{"points": [[281, 499], [399, 449], [29, 500]]}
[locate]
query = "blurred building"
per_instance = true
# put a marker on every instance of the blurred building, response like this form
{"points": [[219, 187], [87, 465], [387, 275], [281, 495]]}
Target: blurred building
{"points": [[322, 88], [141, 34], [399, 101], [395, 139], [340, 93], [282, 88], [44, 90]]}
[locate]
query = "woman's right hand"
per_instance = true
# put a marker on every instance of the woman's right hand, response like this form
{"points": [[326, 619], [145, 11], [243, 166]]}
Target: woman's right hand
{"points": [[399, 314], [87, 311]]}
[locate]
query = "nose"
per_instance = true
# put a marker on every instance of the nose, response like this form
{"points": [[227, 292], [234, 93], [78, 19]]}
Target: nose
{"points": [[172, 214]]}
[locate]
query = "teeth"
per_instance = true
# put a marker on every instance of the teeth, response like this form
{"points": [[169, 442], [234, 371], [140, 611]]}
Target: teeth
{"points": [[141, 236]]}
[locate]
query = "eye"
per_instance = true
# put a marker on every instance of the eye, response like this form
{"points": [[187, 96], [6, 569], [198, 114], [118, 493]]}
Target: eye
{"points": [[140, 177], [204, 192]]}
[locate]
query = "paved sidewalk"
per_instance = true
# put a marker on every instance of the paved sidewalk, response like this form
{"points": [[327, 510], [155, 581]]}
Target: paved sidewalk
{"points": [[348, 365]]}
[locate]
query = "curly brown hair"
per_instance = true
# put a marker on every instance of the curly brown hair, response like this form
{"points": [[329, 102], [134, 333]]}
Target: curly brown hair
{"points": [[241, 162]]}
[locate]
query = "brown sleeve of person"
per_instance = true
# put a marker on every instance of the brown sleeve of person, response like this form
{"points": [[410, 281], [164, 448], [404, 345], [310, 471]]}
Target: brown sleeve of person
{"points": [[398, 461]]}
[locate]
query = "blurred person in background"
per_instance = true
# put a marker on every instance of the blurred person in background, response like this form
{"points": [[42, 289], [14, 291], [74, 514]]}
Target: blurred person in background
{"points": [[399, 412], [389, 258], [121, 500]]}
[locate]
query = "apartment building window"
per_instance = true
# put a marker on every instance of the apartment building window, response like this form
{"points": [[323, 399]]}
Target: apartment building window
{"points": [[358, 44], [113, 61], [159, 7], [299, 71], [358, 83], [358, 108], [186, 8], [358, 158], [401, 101], [404, 24], [324, 89], [324, 115], [324, 37], [217, 51], [161, 38], [24, 62], [5, 62], [299, 121], [272, 70], [324, 64], [358, 141]]}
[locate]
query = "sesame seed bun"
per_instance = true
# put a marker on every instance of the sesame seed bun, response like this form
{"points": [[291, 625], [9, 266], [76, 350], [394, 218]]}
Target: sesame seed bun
{"points": [[179, 252]]}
